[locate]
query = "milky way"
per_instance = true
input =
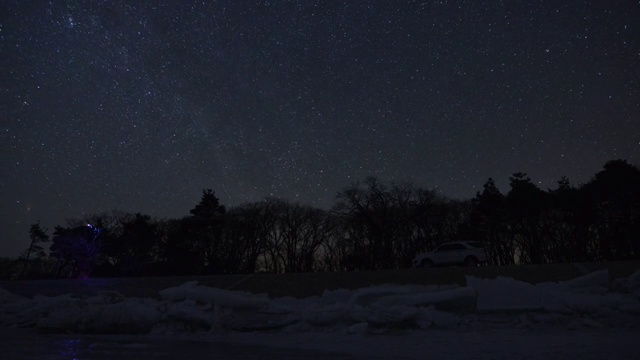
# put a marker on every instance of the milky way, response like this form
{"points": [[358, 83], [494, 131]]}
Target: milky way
{"points": [[138, 107]]}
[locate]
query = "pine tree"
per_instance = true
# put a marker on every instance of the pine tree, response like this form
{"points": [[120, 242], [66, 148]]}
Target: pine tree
{"points": [[205, 231]]}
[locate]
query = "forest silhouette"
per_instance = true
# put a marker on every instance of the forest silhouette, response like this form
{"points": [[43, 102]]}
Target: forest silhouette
{"points": [[372, 226]]}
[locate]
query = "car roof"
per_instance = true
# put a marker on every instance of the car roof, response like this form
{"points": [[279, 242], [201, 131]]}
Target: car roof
{"points": [[465, 242]]}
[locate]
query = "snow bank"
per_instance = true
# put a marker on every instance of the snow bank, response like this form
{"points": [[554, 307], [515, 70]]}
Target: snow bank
{"points": [[597, 279], [215, 297], [585, 301], [128, 316], [505, 294], [587, 294], [630, 285]]}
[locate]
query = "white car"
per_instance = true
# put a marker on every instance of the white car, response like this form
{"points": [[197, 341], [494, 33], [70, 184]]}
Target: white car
{"points": [[467, 253]]}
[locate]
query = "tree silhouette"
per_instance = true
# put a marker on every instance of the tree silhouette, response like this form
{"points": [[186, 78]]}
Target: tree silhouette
{"points": [[614, 197], [180, 253], [137, 245], [367, 210], [254, 226], [525, 205], [489, 224], [76, 250], [386, 226], [432, 219], [205, 229], [38, 236], [371, 226], [564, 224], [304, 230]]}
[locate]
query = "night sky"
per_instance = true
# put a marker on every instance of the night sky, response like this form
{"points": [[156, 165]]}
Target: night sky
{"points": [[138, 107]]}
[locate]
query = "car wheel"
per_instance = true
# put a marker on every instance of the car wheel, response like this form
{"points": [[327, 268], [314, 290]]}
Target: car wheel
{"points": [[426, 264], [471, 261]]}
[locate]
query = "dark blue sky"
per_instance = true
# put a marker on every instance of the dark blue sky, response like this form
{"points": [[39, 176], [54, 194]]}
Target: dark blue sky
{"points": [[117, 105]]}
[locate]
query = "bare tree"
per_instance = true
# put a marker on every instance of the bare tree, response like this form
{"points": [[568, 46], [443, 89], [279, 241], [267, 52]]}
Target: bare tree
{"points": [[76, 250], [37, 235], [385, 227]]}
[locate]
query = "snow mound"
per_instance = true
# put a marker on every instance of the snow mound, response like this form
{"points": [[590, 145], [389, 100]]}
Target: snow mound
{"points": [[505, 294], [587, 301], [597, 279], [128, 316], [630, 285], [215, 297], [580, 295]]}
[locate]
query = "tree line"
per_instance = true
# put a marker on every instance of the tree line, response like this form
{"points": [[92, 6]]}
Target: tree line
{"points": [[371, 226]]}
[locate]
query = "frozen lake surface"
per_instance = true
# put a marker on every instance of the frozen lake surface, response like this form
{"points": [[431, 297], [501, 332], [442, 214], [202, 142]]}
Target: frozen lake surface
{"points": [[589, 317], [28, 344], [548, 344]]}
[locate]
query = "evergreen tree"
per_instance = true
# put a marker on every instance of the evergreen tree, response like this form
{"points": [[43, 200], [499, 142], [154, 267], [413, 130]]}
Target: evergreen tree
{"points": [[205, 229], [137, 245], [488, 220], [613, 195], [525, 205]]}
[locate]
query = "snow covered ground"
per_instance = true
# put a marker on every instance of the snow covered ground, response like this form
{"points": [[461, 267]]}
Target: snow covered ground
{"points": [[585, 318]]}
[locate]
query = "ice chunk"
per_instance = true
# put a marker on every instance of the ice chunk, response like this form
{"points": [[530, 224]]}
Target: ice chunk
{"points": [[359, 328], [64, 320], [189, 312], [130, 316], [11, 306], [451, 299], [177, 293], [323, 315], [127, 317], [105, 297], [260, 321], [595, 279], [338, 295], [218, 297], [429, 316], [391, 315], [563, 302], [7, 297], [358, 313], [366, 296], [424, 318], [42, 306], [505, 294], [633, 281], [630, 284]]}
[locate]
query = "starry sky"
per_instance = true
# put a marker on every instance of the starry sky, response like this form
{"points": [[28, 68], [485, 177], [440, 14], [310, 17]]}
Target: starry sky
{"points": [[138, 106]]}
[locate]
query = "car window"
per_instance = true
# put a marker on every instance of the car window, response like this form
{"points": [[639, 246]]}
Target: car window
{"points": [[451, 247], [442, 248]]}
